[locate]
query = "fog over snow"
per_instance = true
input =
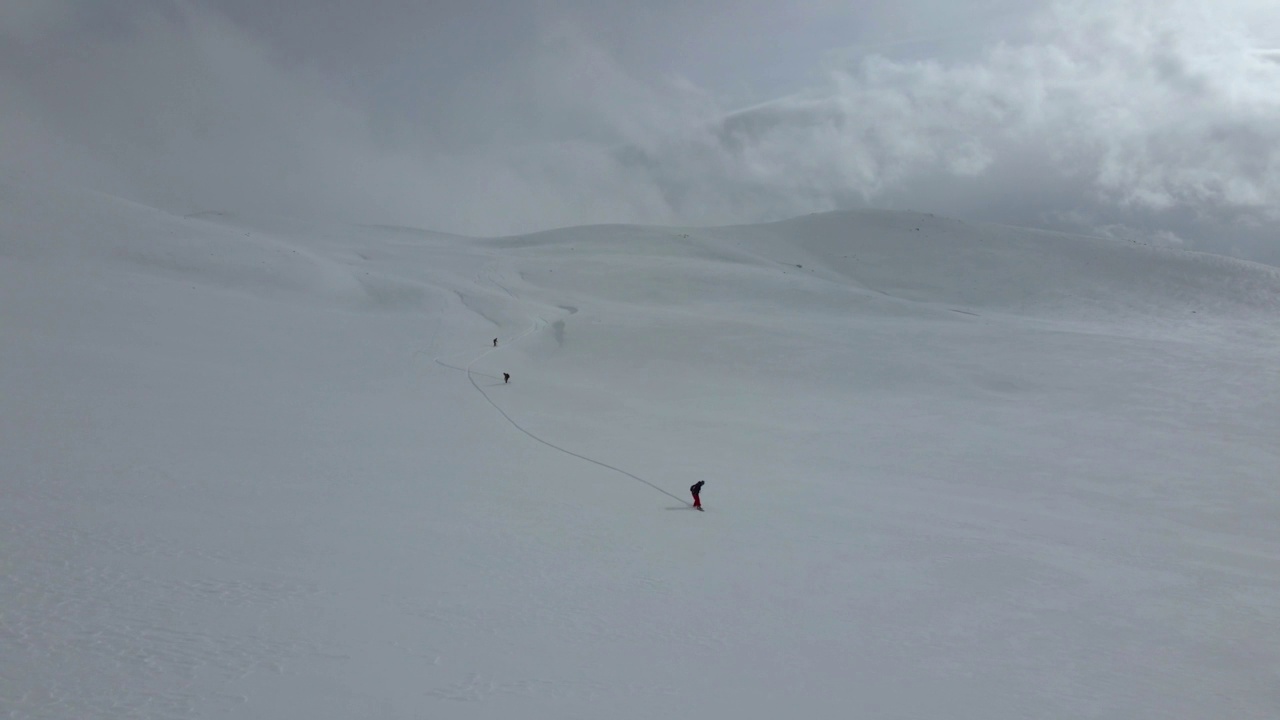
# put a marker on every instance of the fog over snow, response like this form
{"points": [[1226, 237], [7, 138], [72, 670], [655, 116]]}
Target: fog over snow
{"points": [[257, 468], [964, 313], [1148, 120]]}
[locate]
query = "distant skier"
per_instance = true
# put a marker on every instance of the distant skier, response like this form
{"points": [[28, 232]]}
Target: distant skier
{"points": [[696, 489], [495, 342], [506, 377]]}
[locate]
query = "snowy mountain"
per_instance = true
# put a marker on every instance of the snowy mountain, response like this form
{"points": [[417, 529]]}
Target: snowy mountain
{"points": [[263, 468]]}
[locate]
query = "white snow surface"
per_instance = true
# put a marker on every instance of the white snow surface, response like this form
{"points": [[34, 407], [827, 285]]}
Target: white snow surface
{"points": [[264, 469]]}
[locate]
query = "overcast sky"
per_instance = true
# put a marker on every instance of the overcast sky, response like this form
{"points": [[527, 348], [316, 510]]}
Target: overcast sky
{"points": [[1151, 120]]}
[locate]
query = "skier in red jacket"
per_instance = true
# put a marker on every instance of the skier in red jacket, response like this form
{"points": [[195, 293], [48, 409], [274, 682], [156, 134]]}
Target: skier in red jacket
{"points": [[696, 488]]}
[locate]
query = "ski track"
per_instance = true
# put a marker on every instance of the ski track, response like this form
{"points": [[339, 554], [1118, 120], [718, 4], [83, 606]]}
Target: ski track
{"points": [[536, 324]]}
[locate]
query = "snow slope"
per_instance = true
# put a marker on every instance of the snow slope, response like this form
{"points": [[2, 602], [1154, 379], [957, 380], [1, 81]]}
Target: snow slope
{"points": [[255, 468]]}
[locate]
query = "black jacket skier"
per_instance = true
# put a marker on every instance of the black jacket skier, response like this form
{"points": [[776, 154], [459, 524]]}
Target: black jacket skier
{"points": [[696, 489]]}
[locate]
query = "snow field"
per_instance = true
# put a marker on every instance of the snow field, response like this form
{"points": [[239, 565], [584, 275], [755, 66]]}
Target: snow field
{"points": [[262, 469]]}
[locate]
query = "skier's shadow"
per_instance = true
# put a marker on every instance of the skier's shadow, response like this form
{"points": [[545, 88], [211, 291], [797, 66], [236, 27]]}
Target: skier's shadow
{"points": [[682, 507]]}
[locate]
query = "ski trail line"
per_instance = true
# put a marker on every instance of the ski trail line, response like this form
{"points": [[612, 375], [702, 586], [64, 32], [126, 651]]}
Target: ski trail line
{"points": [[553, 446], [471, 378]]}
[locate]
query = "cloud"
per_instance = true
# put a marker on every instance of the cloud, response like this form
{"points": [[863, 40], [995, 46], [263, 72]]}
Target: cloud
{"points": [[190, 111], [1147, 112], [1139, 118]]}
